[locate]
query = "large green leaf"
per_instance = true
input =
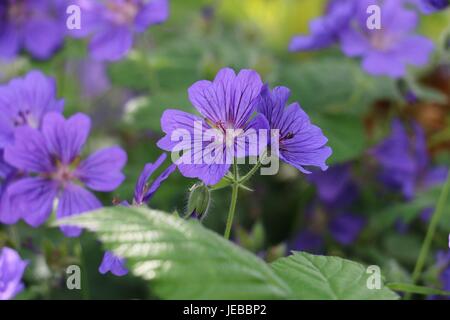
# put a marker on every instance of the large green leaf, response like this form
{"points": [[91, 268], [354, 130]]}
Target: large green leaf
{"points": [[322, 277], [183, 259]]}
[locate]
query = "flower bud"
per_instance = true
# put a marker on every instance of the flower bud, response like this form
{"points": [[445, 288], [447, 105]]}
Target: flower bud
{"points": [[198, 202]]}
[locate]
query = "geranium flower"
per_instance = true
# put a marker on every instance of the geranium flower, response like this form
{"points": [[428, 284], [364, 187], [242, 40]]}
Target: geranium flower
{"points": [[386, 51], [34, 25], [113, 23], [226, 106], [301, 143], [52, 156]]}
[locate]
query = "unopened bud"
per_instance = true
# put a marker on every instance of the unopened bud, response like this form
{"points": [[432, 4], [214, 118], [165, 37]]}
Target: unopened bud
{"points": [[198, 202]]}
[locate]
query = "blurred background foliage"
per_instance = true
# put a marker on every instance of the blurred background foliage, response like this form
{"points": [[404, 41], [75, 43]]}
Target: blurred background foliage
{"points": [[354, 110]]}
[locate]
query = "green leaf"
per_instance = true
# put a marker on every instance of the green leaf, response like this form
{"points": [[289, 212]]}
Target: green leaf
{"points": [[410, 288], [345, 135], [182, 259], [323, 277]]}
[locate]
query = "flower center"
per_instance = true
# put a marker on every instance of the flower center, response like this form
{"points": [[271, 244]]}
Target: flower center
{"points": [[63, 174], [24, 117], [382, 41], [122, 11]]}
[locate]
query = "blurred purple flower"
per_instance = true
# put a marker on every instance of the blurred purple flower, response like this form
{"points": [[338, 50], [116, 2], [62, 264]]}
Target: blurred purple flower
{"points": [[11, 271], [24, 102], [308, 241], [113, 23], [335, 187], [430, 6], [93, 77], [36, 25], [300, 142], [52, 154], [325, 30], [112, 263], [346, 227], [405, 163], [144, 191], [227, 103], [389, 50]]}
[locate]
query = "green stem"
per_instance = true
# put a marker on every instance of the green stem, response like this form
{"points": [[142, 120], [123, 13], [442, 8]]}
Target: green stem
{"points": [[437, 215], [234, 195], [254, 169]]}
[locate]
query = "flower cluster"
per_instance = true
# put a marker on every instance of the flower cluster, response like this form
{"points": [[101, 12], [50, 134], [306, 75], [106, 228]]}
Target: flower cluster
{"points": [[42, 153], [405, 162], [331, 212], [236, 110], [384, 51]]}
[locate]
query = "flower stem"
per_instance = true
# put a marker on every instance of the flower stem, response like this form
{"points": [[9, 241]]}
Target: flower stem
{"points": [[234, 195], [437, 215], [254, 169]]}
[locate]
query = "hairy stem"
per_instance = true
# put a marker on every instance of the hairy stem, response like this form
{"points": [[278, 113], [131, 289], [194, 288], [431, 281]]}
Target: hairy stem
{"points": [[234, 195]]}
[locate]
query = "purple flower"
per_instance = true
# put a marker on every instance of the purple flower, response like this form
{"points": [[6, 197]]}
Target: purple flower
{"points": [[226, 105], [430, 6], [144, 191], [335, 187], [35, 25], [308, 241], [113, 23], [346, 227], [93, 77], [389, 50], [11, 271], [405, 163], [24, 102], [325, 30], [52, 155], [112, 263], [300, 142]]}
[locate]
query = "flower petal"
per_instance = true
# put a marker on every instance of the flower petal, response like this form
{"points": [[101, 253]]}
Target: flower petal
{"points": [[229, 99], [12, 268], [66, 138], [176, 124], [29, 152], [73, 201], [149, 169], [9, 42], [111, 44], [114, 264], [42, 37], [157, 183], [101, 171], [382, 63], [155, 11], [415, 50], [307, 145], [32, 199]]}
